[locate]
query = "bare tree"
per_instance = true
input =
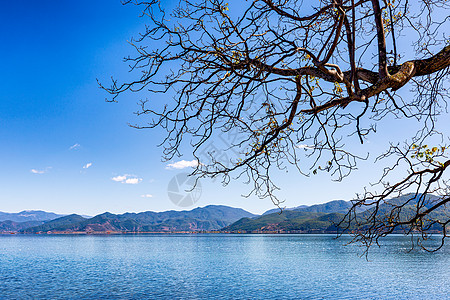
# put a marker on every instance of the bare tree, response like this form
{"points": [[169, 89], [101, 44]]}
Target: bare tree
{"points": [[290, 76]]}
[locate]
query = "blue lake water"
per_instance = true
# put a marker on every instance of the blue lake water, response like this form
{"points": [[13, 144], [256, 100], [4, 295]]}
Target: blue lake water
{"points": [[217, 267]]}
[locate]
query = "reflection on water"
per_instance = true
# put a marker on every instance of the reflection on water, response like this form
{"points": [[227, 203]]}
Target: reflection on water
{"points": [[217, 266]]}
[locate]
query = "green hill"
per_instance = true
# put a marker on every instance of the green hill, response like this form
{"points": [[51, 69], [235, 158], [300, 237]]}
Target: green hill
{"points": [[59, 224], [287, 221]]}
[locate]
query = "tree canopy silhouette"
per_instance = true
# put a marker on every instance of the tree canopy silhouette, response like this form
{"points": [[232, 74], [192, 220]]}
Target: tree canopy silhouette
{"points": [[293, 81]]}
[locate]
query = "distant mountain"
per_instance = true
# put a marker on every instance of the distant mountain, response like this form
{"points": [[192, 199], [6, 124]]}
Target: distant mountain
{"points": [[408, 204], [335, 206], [11, 226], [29, 215], [324, 217], [212, 217]]}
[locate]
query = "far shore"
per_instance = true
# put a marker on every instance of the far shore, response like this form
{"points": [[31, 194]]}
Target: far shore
{"points": [[185, 232], [167, 232]]}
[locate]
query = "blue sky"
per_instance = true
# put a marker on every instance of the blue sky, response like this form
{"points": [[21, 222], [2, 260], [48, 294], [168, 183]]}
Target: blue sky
{"points": [[64, 149]]}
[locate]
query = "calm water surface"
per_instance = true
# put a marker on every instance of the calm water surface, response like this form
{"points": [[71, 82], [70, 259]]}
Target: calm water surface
{"points": [[217, 267]]}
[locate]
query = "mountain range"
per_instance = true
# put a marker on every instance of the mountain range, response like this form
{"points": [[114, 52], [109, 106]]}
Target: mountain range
{"points": [[212, 217], [314, 218], [324, 217]]}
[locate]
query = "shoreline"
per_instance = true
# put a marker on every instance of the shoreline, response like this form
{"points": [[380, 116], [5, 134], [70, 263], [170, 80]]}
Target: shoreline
{"points": [[309, 232], [162, 232]]}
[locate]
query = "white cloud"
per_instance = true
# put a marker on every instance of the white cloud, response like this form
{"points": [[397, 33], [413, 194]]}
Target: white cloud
{"points": [[75, 146], [302, 146], [36, 171], [133, 180], [182, 164], [119, 178], [147, 196], [128, 179], [86, 166]]}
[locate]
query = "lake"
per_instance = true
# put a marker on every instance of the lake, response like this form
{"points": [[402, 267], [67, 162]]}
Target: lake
{"points": [[205, 266]]}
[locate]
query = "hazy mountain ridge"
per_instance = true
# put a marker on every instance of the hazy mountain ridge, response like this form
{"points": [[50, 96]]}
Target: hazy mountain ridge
{"points": [[277, 210], [29, 215], [340, 206]]}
